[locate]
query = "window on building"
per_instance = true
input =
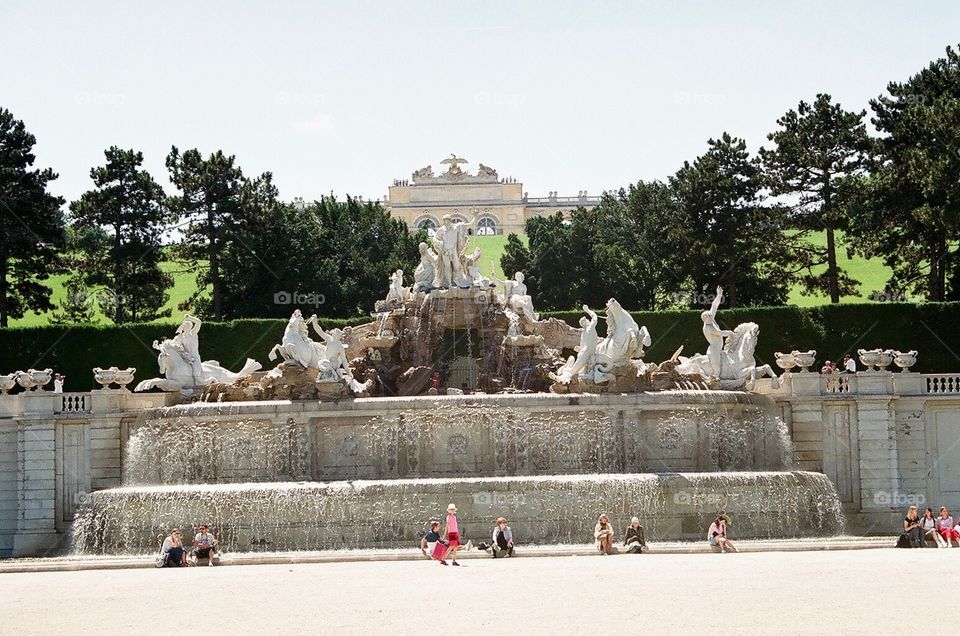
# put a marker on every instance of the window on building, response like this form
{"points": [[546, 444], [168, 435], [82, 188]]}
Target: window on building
{"points": [[428, 224], [486, 226]]}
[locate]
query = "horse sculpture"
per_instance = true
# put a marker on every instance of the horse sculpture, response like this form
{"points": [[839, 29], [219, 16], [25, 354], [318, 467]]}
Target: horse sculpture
{"points": [[297, 345], [179, 373], [738, 368]]}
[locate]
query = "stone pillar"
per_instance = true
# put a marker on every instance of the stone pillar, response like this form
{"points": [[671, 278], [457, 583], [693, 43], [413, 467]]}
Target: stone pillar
{"points": [[879, 463], [36, 522]]}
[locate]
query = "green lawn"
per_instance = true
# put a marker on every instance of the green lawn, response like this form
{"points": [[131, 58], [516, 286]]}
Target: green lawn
{"points": [[871, 273]]}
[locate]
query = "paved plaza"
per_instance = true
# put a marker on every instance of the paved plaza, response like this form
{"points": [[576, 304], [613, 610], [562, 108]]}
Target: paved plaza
{"points": [[823, 593]]}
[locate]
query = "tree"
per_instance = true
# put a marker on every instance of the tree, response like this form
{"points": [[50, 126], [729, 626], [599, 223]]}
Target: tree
{"points": [[912, 216], [209, 196], [331, 257], [819, 160], [77, 305], [129, 206], [723, 232], [32, 228]]}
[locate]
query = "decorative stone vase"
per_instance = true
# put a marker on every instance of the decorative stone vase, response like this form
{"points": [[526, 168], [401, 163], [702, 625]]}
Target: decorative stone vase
{"points": [[25, 380], [870, 358], [104, 377], [8, 381], [41, 377], [805, 359], [885, 360], [905, 360], [123, 377], [785, 361]]}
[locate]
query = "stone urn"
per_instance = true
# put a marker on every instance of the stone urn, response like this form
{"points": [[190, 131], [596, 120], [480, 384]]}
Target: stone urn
{"points": [[785, 361], [805, 359], [41, 377], [123, 377], [870, 358], [885, 359], [7, 382], [25, 380], [104, 377], [905, 360]]}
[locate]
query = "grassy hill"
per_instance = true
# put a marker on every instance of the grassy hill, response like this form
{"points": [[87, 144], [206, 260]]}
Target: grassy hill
{"points": [[871, 273]]}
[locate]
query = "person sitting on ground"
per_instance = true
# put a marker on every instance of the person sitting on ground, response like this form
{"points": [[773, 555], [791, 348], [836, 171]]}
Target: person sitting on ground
{"points": [[430, 542], [717, 535], [945, 527], [912, 528], [633, 538], [928, 524], [603, 535], [502, 539], [204, 545], [172, 554]]}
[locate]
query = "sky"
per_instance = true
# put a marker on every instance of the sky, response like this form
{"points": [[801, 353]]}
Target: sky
{"points": [[348, 96]]}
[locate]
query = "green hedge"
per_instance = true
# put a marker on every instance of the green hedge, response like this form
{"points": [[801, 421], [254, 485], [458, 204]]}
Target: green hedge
{"points": [[933, 329]]}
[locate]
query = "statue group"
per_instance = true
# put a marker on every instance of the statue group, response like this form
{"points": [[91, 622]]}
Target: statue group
{"points": [[450, 290]]}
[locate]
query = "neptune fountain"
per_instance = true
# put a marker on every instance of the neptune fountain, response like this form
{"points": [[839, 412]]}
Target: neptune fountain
{"points": [[349, 442]]}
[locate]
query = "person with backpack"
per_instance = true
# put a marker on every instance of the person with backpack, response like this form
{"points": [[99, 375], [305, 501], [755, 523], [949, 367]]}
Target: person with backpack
{"points": [[912, 533]]}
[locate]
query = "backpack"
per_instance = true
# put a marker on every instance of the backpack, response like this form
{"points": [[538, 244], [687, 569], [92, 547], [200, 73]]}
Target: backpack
{"points": [[903, 541]]}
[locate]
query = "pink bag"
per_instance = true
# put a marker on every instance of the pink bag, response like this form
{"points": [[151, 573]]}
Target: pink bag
{"points": [[439, 550]]}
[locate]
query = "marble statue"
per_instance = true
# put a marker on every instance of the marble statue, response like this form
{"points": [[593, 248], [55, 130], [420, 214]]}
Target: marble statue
{"points": [[486, 171], [454, 162], [735, 366], [335, 367], [516, 297], [474, 276], [397, 294], [625, 339], [425, 273], [580, 365], [715, 336], [450, 241], [297, 346], [179, 362], [423, 173]]}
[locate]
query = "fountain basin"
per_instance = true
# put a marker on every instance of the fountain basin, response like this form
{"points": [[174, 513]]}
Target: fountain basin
{"points": [[392, 513]]}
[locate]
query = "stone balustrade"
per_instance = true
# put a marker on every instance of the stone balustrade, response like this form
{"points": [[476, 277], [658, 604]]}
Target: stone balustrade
{"points": [[800, 384]]}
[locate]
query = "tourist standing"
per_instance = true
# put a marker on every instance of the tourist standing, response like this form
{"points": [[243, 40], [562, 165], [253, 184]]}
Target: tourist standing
{"points": [[717, 535], [204, 545], [945, 527], [603, 535], [633, 538], [172, 554], [451, 533], [502, 539], [58, 383], [929, 526], [912, 527]]}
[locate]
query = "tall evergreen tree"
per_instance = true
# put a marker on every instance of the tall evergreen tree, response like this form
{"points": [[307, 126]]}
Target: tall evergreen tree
{"points": [[32, 228], [209, 197], [724, 233], [819, 160], [123, 261], [912, 218]]}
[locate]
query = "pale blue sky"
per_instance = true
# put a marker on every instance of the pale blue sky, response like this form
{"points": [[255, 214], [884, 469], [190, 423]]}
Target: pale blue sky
{"points": [[348, 96]]}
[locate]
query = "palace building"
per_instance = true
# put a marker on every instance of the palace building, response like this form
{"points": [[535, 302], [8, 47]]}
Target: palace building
{"points": [[496, 205]]}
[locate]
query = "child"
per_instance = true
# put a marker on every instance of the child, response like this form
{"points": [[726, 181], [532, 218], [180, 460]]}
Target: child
{"points": [[430, 541], [451, 532]]}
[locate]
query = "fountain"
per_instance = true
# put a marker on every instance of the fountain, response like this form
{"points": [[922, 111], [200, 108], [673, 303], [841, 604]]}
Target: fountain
{"points": [[347, 443]]}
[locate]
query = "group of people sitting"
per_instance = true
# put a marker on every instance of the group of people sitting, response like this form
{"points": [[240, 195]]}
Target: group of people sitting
{"points": [[635, 542], [173, 554], [940, 529]]}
